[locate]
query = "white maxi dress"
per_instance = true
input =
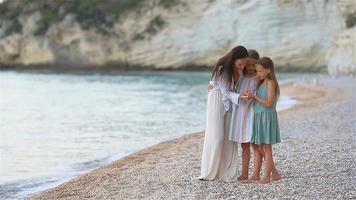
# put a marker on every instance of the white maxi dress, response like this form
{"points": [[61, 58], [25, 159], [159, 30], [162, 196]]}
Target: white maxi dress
{"points": [[219, 157]]}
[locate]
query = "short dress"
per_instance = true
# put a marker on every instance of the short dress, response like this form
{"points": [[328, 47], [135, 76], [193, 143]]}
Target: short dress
{"points": [[241, 117], [265, 127]]}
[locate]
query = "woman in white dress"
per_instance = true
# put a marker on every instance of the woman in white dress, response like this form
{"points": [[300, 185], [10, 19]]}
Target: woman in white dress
{"points": [[219, 158]]}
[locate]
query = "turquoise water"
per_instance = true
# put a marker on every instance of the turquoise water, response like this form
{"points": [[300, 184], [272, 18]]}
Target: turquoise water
{"points": [[56, 126]]}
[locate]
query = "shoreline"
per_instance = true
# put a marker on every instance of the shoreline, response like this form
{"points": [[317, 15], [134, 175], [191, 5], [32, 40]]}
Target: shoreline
{"points": [[310, 98], [28, 186]]}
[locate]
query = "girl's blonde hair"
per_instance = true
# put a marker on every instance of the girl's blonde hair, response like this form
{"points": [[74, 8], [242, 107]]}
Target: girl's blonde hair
{"points": [[267, 63]]}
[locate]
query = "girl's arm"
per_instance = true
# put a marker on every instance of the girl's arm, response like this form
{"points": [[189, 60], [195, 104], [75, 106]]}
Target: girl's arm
{"points": [[271, 95]]}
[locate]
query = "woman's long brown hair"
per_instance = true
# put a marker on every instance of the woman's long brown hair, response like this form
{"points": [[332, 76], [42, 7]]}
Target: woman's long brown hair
{"points": [[227, 63], [267, 63]]}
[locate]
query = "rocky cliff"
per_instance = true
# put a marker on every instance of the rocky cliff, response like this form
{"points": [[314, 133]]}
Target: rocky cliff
{"points": [[301, 35]]}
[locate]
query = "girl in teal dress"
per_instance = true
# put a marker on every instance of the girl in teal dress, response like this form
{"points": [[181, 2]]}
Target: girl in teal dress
{"points": [[265, 128]]}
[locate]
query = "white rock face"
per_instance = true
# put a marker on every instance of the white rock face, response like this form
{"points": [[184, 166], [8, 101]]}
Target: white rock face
{"points": [[341, 57], [36, 51], [302, 35], [293, 33], [30, 23], [17, 49]]}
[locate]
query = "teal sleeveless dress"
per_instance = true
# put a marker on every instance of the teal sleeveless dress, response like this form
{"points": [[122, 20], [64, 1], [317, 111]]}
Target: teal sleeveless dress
{"points": [[265, 128]]}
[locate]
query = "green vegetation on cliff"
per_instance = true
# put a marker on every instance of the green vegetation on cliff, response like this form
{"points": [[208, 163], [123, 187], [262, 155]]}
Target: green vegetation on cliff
{"points": [[154, 26], [97, 14], [350, 20]]}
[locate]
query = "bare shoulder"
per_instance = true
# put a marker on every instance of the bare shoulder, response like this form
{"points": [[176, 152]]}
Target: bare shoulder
{"points": [[270, 84]]}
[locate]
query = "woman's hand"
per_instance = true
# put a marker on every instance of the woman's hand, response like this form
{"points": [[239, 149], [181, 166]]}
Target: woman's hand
{"points": [[210, 87]]}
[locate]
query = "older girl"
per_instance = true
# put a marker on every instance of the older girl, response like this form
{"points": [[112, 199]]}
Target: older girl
{"points": [[241, 117]]}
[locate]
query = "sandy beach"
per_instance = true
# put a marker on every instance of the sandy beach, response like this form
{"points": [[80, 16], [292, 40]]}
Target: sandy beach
{"points": [[316, 157]]}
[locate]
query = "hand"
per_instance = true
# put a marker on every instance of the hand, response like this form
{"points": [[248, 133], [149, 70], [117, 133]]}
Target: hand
{"points": [[244, 96], [210, 87], [250, 95]]}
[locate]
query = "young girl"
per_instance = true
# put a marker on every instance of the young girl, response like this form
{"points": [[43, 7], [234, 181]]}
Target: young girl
{"points": [[265, 128], [217, 153], [241, 117]]}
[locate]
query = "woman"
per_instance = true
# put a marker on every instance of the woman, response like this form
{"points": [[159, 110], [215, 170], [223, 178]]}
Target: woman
{"points": [[219, 157]]}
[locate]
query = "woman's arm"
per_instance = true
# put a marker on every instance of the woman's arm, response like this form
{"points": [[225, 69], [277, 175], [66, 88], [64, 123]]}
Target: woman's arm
{"points": [[210, 87], [213, 83], [234, 97], [271, 95]]}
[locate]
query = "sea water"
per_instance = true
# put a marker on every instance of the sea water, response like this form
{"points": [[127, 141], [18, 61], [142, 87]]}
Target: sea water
{"points": [[55, 126]]}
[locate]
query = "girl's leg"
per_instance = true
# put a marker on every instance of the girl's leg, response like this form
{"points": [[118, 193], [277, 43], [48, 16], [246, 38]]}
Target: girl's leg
{"points": [[245, 160], [260, 148], [267, 148], [275, 174], [257, 164]]}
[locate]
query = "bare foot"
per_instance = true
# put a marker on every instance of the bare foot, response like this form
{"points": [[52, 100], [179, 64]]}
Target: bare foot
{"points": [[250, 180], [242, 178], [264, 181], [276, 177], [255, 178]]}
